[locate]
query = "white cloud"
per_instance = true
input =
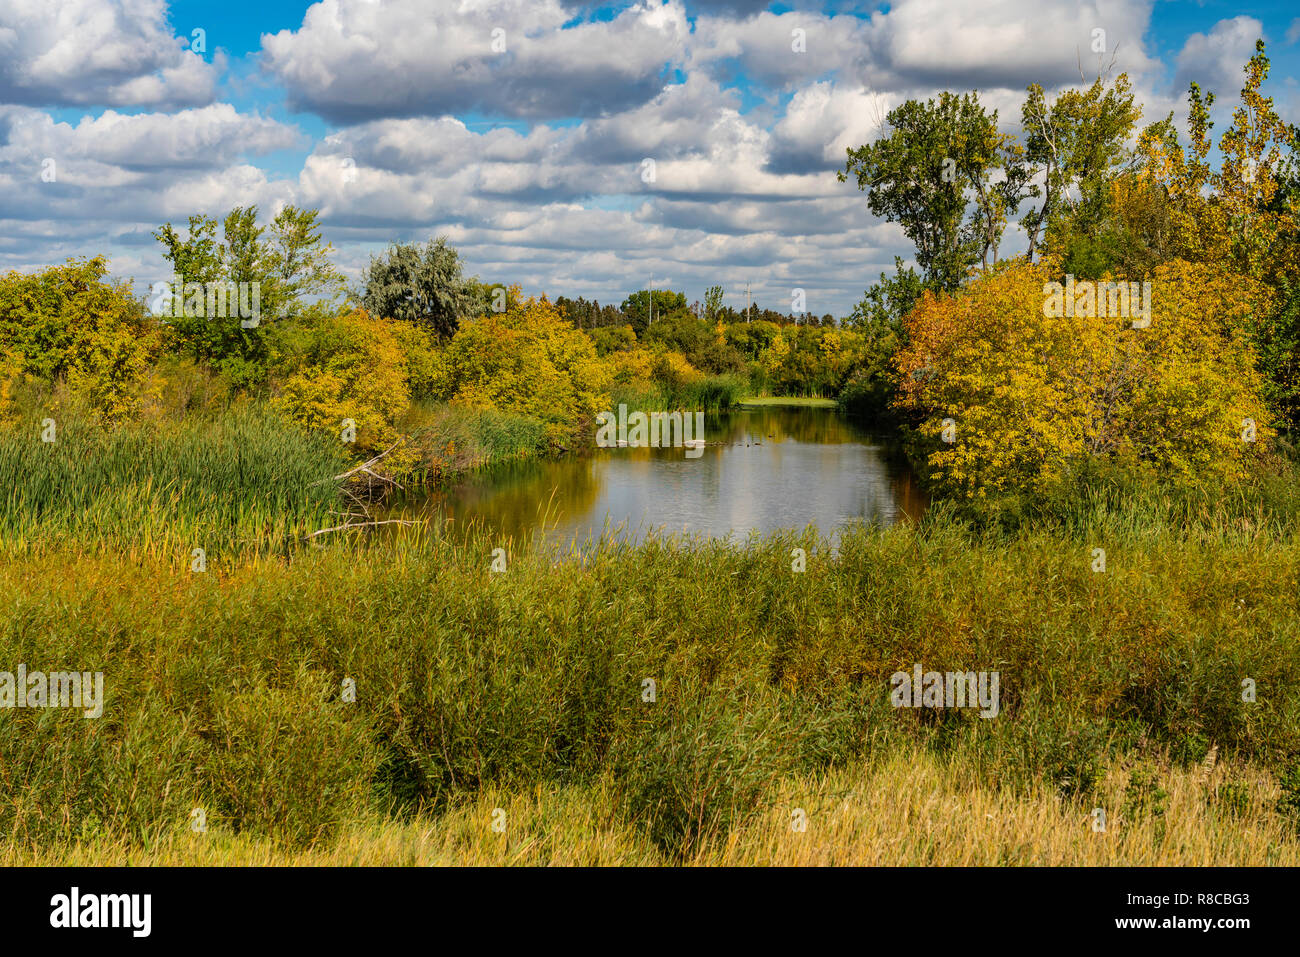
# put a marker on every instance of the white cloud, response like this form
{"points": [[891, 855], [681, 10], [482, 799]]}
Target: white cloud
{"points": [[355, 60], [98, 52], [744, 188], [1215, 60]]}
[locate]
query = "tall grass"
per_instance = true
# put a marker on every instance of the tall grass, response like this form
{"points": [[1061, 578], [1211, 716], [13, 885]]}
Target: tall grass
{"points": [[225, 691], [707, 394], [910, 808], [450, 440], [242, 481]]}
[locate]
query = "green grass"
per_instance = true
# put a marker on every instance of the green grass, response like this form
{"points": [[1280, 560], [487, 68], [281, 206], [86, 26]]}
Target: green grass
{"points": [[224, 689], [451, 440], [806, 402], [242, 481], [708, 394]]}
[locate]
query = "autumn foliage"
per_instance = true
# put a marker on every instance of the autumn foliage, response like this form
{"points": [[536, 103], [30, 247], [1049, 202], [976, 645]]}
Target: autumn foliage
{"points": [[1029, 398], [528, 360]]}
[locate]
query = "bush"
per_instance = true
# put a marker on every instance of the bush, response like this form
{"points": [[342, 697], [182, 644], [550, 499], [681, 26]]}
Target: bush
{"points": [[702, 767], [68, 323], [287, 763], [1030, 398], [349, 366], [528, 361]]}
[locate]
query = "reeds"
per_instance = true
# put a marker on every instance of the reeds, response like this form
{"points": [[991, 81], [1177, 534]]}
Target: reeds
{"points": [[244, 482]]}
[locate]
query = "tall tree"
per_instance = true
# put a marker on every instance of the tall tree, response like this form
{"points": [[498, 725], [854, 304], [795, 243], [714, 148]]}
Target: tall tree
{"points": [[712, 303], [937, 161], [1074, 145], [644, 304], [423, 285], [297, 260]]}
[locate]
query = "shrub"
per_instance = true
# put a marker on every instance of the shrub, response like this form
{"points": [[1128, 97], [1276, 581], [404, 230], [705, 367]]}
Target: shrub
{"points": [[288, 763], [67, 322], [529, 361], [349, 366], [702, 768], [1032, 397]]}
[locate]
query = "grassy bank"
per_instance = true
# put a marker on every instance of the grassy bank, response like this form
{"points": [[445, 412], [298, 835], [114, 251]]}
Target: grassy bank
{"points": [[449, 441], [911, 808], [794, 401], [225, 689], [706, 394]]}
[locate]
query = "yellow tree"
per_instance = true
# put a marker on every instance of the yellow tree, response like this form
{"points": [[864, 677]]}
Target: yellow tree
{"points": [[1011, 395]]}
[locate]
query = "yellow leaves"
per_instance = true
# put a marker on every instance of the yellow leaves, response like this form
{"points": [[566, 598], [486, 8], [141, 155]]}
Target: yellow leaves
{"points": [[531, 361], [1033, 395], [354, 369], [69, 322], [775, 354], [632, 366]]}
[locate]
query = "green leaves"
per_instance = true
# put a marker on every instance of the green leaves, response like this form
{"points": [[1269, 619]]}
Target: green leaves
{"points": [[420, 285], [935, 163]]}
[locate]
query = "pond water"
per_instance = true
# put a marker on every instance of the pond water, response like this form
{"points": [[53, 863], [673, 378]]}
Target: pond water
{"points": [[762, 469]]}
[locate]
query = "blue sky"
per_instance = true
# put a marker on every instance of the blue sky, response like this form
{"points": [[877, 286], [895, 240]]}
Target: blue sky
{"points": [[521, 129]]}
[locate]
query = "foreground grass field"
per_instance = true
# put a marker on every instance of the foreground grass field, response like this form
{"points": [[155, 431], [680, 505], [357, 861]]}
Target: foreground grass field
{"points": [[669, 703], [910, 809]]}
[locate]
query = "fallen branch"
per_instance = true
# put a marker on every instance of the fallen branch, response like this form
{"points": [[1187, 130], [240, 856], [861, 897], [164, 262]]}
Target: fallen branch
{"points": [[365, 466], [351, 525]]}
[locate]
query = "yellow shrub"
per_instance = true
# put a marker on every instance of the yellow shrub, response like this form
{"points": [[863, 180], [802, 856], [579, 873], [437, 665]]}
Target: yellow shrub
{"points": [[1026, 395], [68, 323], [426, 366], [351, 367], [528, 360], [633, 367]]}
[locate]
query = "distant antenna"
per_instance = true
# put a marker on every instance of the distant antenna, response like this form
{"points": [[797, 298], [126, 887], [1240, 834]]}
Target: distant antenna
{"points": [[747, 302]]}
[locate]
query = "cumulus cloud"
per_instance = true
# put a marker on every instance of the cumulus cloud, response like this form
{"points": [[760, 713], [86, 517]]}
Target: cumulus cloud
{"points": [[744, 131], [98, 53], [1005, 43], [353, 60], [780, 50], [1215, 60]]}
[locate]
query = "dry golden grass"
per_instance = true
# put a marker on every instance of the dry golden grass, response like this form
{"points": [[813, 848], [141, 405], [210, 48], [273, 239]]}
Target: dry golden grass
{"points": [[911, 809]]}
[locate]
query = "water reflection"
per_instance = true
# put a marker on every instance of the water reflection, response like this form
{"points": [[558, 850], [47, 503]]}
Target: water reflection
{"points": [[761, 470]]}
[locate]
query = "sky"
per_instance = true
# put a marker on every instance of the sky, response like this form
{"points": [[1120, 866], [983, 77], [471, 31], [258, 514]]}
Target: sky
{"points": [[576, 149]]}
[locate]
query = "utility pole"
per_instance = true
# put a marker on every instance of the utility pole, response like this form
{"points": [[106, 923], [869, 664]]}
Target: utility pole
{"points": [[747, 302]]}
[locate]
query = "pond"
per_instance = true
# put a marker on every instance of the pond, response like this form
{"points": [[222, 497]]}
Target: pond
{"points": [[762, 469]]}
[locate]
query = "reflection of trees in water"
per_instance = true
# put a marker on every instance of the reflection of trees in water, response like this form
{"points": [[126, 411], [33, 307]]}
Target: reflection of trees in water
{"points": [[912, 500], [814, 426], [817, 476], [513, 500]]}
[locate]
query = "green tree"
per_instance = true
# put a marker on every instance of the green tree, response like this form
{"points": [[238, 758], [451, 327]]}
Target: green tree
{"points": [[936, 163], [712, 302], [1076, 144], [297, 261], [285, 268], [645, 304], [889, 300], [425, 286]]}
